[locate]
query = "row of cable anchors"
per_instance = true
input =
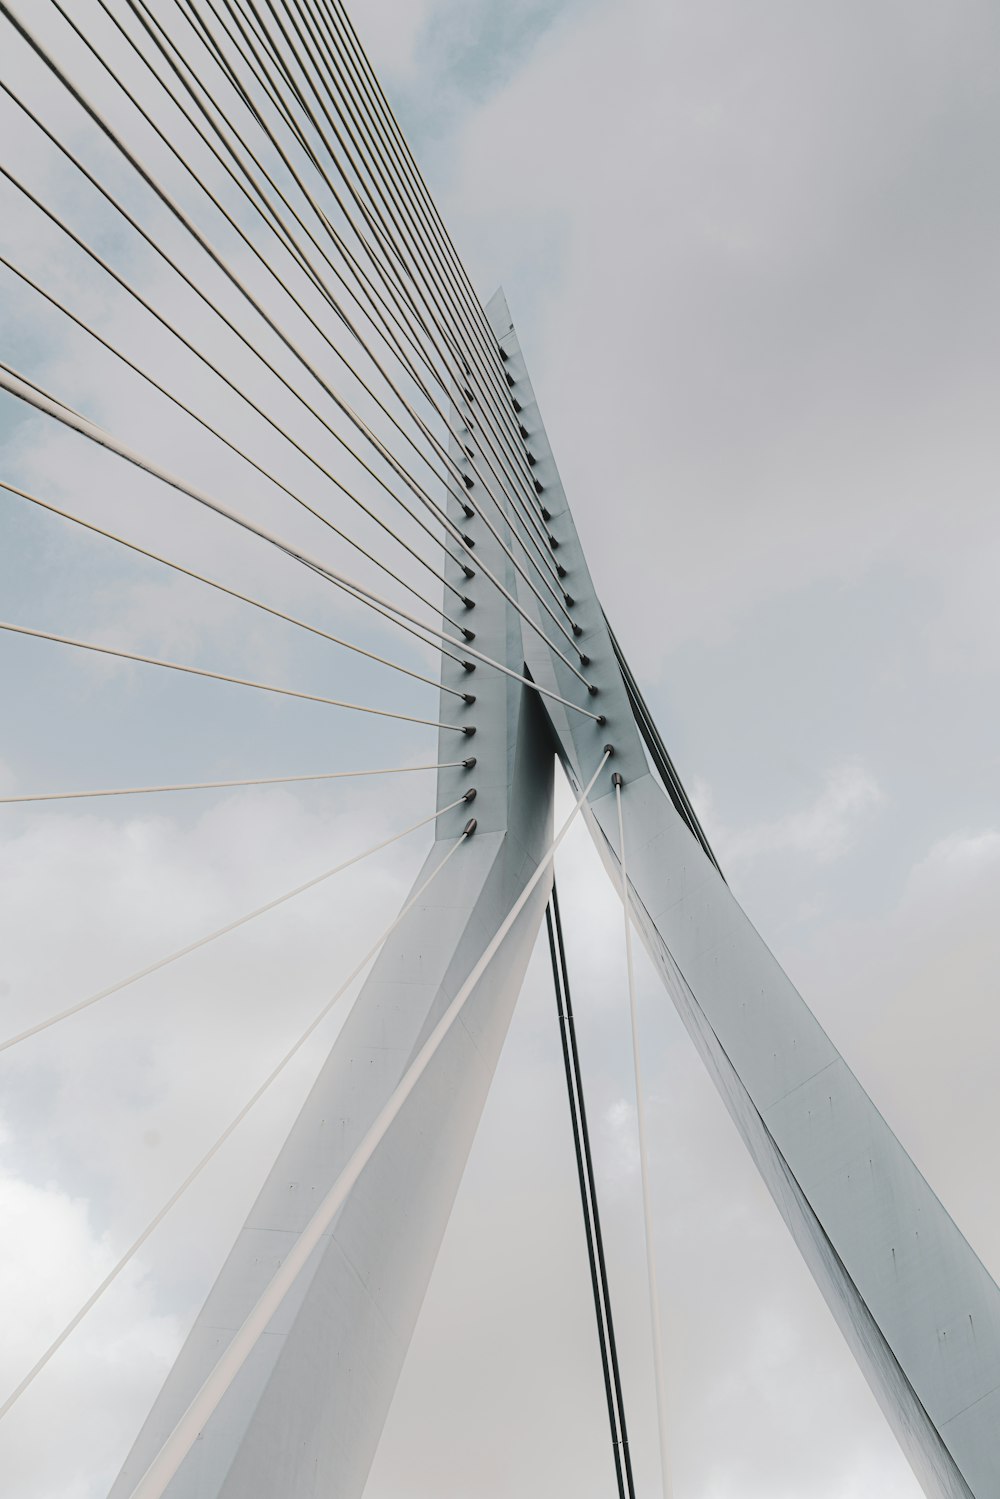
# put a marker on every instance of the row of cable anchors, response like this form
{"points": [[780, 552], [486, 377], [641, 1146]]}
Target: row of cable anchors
{"points": [[546, 514], [539, 487], [469, 482]]}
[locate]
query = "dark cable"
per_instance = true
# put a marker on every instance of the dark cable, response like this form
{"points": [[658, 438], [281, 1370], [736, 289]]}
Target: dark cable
{"points": [[588, 1202]]}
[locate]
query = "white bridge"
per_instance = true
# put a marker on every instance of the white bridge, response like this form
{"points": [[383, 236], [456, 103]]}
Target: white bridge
{"points": [[422, 424]]}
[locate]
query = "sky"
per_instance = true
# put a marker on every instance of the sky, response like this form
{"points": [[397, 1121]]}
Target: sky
{"points": [[752, 256]]}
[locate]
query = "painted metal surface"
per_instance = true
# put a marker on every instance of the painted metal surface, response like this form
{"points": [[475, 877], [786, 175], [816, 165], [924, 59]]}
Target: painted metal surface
{"points": [[917, 1307]]}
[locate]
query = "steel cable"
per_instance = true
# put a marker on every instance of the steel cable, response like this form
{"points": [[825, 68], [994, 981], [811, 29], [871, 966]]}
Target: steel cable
{"points": [[326, 775]]}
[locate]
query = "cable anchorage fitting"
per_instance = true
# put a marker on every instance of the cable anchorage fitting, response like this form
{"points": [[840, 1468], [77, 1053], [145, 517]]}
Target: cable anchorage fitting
{"points": [[468, 697], [470, 828], [470, 762], [469, 665], [616, 779], [470, 795], [469, 604], [469, 729]]}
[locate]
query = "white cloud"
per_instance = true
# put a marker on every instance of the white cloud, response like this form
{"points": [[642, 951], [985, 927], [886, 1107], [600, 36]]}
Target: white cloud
{"points": [[955, 860], [392, 32], [822, 831], [50, 1260]]}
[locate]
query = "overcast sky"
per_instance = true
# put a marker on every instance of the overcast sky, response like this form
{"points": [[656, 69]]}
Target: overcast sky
{"points": [[753, 255]]}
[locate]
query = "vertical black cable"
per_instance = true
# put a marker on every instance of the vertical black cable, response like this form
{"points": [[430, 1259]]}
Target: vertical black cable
{"points": [[588, 1202], [598, 1236]]}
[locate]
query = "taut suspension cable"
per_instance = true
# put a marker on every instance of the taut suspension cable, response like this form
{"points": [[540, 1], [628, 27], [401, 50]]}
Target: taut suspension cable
{"points": [[588, 1201], [325, 775]]}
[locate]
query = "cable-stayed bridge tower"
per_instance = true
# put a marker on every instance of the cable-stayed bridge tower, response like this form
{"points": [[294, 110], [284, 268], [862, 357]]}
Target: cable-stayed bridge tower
{"points": [[284, 1383]]}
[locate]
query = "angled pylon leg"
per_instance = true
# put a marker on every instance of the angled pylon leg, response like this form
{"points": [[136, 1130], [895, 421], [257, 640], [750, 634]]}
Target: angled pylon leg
{"points": [[917, 1307], [303, 1418]]}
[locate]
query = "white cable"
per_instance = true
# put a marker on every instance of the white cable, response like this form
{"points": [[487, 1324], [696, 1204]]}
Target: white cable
{"points": [[214, 1149], [328, 775], [219, 676], [640, 1112], [182, 952], [180, 1441]]}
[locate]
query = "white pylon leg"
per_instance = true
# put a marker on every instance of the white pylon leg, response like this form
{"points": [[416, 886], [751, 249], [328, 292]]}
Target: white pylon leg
{"points": [[303, 1418], [917, 1307]]}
